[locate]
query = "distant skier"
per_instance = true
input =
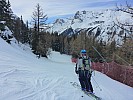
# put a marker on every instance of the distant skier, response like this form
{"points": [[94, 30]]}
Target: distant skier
{"points": [[83, 69]]}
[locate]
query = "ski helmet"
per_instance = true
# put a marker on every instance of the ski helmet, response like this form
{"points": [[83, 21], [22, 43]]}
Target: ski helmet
{"points": [[83, 51]]}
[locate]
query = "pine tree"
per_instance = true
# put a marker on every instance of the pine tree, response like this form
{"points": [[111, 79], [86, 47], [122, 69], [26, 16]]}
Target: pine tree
{"points": [[2, 10], [17, 29], [40, 20], [39, 17], [6, 12], [24, 31]]}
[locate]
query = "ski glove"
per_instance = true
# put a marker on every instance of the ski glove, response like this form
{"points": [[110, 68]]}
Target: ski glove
{"points": [[76, 72]]}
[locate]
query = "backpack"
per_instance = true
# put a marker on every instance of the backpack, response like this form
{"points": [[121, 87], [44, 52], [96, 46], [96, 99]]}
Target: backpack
{"points": [[86, 63]]}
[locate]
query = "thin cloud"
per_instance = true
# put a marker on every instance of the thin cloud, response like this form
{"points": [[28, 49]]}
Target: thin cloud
{"points": [[55, 8]]}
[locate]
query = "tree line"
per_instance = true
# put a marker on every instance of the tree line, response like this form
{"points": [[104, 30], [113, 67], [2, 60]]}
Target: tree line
{"points": [[16, 24], [42, 41]]}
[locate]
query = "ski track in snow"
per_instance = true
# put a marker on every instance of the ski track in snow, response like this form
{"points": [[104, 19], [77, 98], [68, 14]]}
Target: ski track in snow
{"points": [[25, 77], [28, 87]]}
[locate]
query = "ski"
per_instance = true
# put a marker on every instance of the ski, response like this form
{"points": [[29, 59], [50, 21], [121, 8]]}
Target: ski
{"points": [[93, 96]]}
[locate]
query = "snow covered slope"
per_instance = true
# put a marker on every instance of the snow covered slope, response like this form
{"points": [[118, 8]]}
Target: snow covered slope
{"points": [[25, 77], [101, 23]]}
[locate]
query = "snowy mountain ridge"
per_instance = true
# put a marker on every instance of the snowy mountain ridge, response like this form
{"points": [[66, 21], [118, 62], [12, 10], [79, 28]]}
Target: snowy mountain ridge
{"points": [[102, 21]]}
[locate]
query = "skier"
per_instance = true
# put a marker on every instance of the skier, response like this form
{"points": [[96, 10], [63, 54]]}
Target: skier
{"points": [[84, 71]]}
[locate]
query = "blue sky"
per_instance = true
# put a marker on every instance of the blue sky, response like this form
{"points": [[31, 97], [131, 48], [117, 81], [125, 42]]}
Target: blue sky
{"points": [[61, 8]]}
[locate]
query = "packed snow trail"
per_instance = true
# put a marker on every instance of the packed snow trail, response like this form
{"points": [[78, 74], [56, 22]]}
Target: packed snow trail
{"points": [[92, 95], [25, 77]]}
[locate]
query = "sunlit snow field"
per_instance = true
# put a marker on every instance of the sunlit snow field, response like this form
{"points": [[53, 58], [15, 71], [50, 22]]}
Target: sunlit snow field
{"points": [[25, 77]]}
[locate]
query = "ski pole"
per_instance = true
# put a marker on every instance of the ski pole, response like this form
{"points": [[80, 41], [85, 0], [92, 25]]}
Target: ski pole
{"points": [[97, 83], [102, 58]]}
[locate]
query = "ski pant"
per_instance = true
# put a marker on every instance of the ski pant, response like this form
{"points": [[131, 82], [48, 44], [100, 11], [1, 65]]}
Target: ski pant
{"points": [[85, 80]]}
